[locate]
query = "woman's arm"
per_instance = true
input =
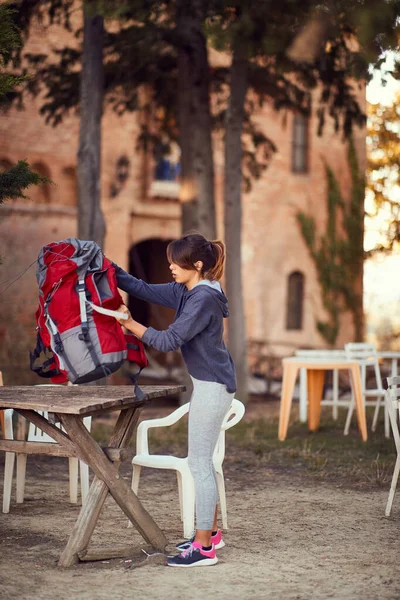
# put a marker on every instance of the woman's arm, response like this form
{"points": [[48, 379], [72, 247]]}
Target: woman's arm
{"points": [[194, 318], [166, 294]]}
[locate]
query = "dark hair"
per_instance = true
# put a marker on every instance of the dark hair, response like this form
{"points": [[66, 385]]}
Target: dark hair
{"points": [[193, 247]]}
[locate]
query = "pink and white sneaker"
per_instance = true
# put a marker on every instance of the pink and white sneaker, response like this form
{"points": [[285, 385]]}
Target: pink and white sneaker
{"points": [[194, 556], [216, 540]]}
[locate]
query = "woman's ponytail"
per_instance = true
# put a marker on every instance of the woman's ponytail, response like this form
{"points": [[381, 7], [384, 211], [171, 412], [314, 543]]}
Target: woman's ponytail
{"points": [[194, 247], [216, 272]]}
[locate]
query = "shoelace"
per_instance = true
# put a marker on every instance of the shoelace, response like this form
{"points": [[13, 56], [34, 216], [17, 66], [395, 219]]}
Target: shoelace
{"points": [[189, 551]]}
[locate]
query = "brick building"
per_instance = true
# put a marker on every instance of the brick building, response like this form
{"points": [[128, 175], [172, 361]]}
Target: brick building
{"points": [[139, 199]]}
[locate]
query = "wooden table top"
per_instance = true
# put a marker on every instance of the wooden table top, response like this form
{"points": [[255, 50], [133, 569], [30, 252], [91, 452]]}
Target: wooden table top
{"points": [[80, 399]]}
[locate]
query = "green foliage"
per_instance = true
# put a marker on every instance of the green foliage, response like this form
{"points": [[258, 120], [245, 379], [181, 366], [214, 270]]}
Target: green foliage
{"points": [[383, 156], [16, 179], [9, 41], [338, 253]]}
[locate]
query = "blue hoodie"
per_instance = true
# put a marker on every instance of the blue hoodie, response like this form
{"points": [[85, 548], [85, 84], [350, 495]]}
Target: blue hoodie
{"points": [[197, 328]]}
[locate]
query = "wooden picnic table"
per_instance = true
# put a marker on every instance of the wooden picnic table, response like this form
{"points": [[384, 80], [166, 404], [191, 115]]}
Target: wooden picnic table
{"points": [[68, 405]]}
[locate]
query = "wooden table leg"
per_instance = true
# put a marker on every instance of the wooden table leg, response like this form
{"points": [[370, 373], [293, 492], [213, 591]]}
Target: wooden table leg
{"points": [[107, 480], [21, 460], [358, 397], [315, 384], [288, 382]]}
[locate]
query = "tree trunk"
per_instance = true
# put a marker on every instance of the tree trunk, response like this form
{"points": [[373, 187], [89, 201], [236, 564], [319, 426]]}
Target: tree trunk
{"points": [[187, 194], [91, 224], [233, 220], [198, 207]]}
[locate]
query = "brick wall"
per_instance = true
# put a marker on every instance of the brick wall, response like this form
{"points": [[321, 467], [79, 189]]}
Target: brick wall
{"points": [[272, 243]]}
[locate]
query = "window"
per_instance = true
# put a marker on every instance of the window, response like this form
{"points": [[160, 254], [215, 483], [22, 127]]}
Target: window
{"points": [[300, 144], [41, 194], [295, 295], [167, 170], [69, 190]]}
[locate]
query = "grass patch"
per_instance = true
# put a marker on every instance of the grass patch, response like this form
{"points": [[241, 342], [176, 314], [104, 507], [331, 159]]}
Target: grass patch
{"points": [[324, 456]]}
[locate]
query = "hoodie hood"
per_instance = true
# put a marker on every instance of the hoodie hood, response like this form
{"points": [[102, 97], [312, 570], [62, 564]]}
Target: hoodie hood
{"points": [[214, 289]]}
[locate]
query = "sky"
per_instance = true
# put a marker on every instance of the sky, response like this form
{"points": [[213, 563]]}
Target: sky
{"points": [[381, 290]]}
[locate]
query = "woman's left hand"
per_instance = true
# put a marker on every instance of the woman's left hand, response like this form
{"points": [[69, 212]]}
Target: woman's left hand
{"points": [[123, 309], [130, 323]]}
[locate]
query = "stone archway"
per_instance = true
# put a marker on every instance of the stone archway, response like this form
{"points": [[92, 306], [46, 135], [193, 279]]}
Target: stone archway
{"points": [[148, 261]]}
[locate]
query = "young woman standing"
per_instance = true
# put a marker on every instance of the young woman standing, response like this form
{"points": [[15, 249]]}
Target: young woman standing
{"points": [[197, 266]]}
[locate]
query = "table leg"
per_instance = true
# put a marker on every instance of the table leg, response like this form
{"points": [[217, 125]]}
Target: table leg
{"points": [[358, 397], [21, 460], [394, 367], [315, 379], [335, 392], [303, 396], [288, 381], [107, 480]]}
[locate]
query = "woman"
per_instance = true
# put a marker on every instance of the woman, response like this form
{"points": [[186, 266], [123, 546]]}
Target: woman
{"points": [[196, 265]]}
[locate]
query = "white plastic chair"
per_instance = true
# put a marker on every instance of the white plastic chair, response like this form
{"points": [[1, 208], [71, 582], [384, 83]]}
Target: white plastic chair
{"points": [[37, 435], [366, 356], [335, 402], [185, 480], [392, 405], [7, 434]]}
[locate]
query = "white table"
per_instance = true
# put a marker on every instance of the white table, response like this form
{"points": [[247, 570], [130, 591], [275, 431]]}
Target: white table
{"points": [[321, 355], [316, 368]]}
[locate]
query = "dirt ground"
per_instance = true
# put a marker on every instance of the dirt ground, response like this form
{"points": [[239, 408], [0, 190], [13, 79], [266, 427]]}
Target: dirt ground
{"points": [[288, 538]]}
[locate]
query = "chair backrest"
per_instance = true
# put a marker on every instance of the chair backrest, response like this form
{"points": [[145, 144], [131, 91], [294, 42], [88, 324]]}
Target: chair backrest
{"points": [[366, 356], [35, 434], [38, 435], [393, 382], [392, 403], [233, 416], [320, 353], [360, 351]]}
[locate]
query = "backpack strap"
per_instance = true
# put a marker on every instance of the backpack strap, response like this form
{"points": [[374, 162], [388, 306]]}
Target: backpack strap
{"points": [[84, 336], [82, 306], [140, 395], [43, 369], [58, 345]]}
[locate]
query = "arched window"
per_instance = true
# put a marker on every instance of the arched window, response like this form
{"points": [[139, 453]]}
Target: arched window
{"points": [[300, 144], [40, 194], [167, 171], [295, 295], [70, 187]]}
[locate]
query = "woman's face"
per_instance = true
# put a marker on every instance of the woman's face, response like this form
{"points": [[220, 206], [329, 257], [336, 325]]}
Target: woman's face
{"points": [[187, 276]]}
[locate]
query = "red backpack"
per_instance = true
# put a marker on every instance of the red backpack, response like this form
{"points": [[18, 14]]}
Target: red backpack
{"points": [[78, 296]]}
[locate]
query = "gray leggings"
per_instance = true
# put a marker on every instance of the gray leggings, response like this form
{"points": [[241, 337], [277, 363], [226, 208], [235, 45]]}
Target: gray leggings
{"points": [[209, 404]]}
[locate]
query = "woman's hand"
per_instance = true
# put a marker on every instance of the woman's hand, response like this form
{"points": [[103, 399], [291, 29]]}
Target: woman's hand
{"points": [[130, 323], [124, 309]]}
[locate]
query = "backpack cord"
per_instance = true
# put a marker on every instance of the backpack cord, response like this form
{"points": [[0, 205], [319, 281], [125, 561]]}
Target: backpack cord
{"points": [[15, 278]]}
